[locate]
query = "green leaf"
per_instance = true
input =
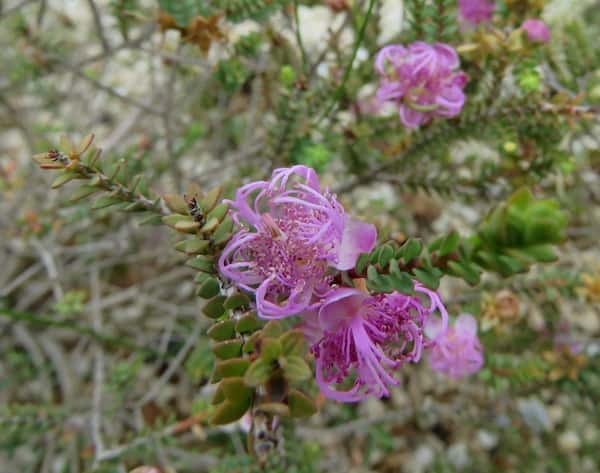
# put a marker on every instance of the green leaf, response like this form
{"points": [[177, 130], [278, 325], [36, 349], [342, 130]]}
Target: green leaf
{"points": [[270, 349], [184, 226], [272, 329], [236, 301], [293, 343], [105, 201], [176, 203], [218, 213], [247, 323], [429, 279], [228, 412], [410, 250], [235, 390], [300, 404], [174, 219], [62, 179], [210, 199], [385, 256], [82, 192], [295, 369], [221, 331], [230, 368], [449, 244], [258, 373], [202, 263], [193, 246], [209, 288], [214, 307], [227, 349], [274, 408], [402, 283], [362, 262]]}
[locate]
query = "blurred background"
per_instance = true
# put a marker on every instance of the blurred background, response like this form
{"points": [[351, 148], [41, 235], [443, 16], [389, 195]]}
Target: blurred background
{"points": [[104, 361]]}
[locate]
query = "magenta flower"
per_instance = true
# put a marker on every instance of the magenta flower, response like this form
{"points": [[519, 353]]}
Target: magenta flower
{"points": [[421, 80], [476, 11], [537, 31], [457, 352], [359, 340], [291, 234]]}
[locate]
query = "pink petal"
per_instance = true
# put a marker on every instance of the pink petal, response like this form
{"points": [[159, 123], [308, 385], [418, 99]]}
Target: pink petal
{"points": [[466, 324], [341, 307], [358, 237], [411, 118]]}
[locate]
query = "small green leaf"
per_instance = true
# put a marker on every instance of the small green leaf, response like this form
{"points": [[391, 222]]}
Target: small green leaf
{"points": [[193, 246], [247, 323], [295, 369], [449, 244], [105, 201], [236, 301], [62, 179], [274, 408], [410, 250], [362, 262], [227, 349], [272, 329], [210, 199], [402, 283], [385, 256], [187, 226], [293, 343], [214, 307], [430, 280], [209, 288], [221, 331], [202, 263], [230, 368], [258, 373], [300, 404], [235, 390], [173, 219], [270, 349], [219, 212], [176, 203], [228, 412], [82, 192], [210, 226]]}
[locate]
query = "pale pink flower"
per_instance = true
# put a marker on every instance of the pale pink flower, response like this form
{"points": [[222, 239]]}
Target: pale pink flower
{"points": [[422, 80], [457, 352], [537, 31], [476, 11]]}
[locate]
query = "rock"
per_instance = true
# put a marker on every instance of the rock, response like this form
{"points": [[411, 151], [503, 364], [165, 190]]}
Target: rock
{"points": [[486, 439], [458, 455], [534, 414], [569, 442]]}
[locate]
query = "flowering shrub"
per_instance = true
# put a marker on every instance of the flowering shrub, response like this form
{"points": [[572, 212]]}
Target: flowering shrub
{"points": [[333, 250]]}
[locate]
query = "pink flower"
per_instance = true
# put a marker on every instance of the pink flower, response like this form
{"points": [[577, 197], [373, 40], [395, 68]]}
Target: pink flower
{"points": [[537, 31], [421, 80], [476, 11], [290, 236], [359, 340], [457, 352]]}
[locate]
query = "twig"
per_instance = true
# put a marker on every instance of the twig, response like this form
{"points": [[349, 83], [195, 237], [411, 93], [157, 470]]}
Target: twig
{"points": [[341, 88], [96, 420], [98, 25], [177, 361], [48, 261]]}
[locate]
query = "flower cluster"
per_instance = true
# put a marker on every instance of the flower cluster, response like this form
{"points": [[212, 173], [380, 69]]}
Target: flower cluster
{"points": [[292, 239], [476, 11], [537, 31], [457, 351], [291, 236], [422, 80]]}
